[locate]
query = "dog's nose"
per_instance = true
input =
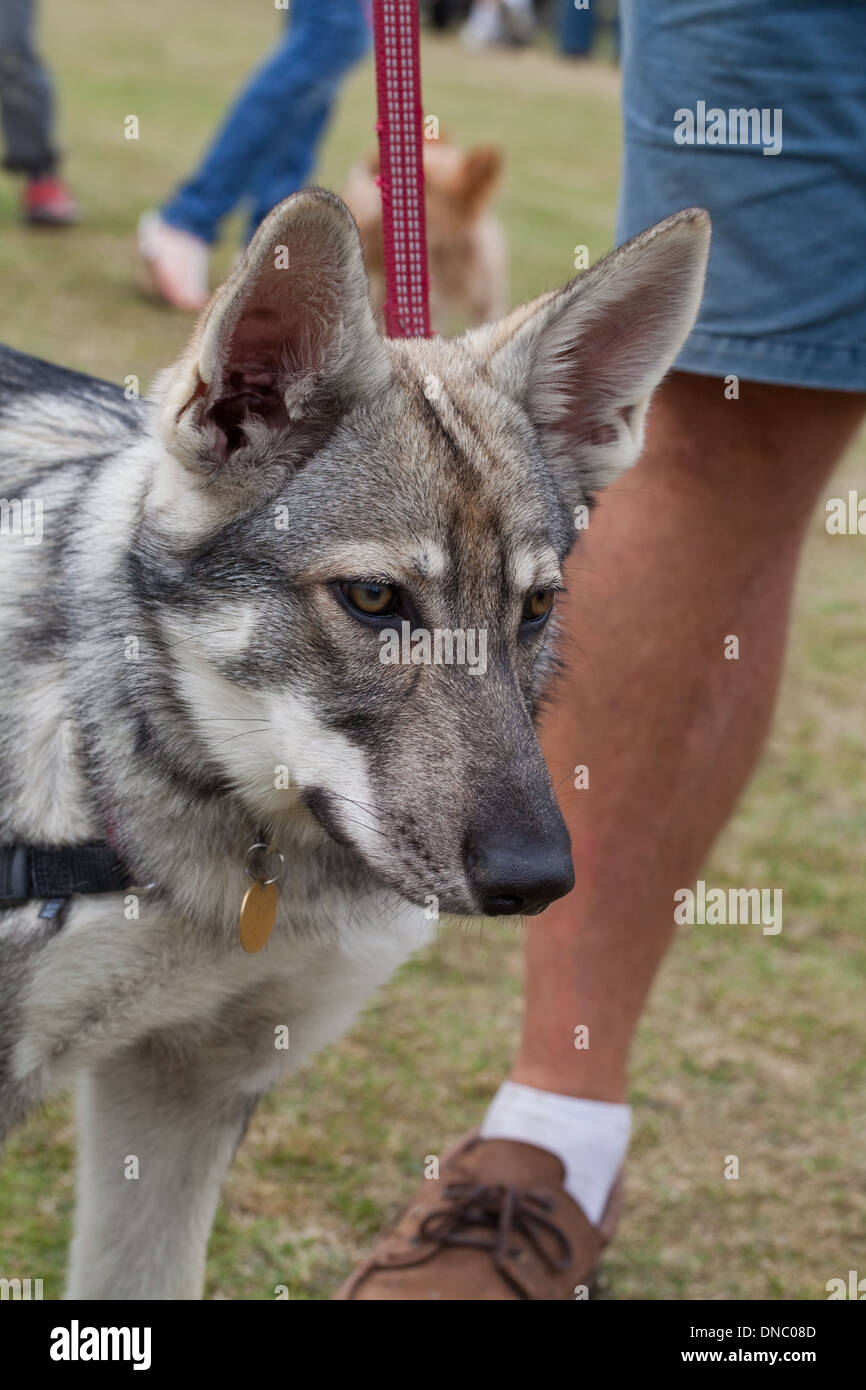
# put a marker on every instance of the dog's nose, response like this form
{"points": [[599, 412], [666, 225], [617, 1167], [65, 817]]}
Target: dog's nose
{"points": [[515, 873]]}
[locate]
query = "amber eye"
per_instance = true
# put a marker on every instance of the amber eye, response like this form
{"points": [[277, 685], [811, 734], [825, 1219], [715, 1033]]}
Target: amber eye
{"points": [[537, 605], [374, 600]]}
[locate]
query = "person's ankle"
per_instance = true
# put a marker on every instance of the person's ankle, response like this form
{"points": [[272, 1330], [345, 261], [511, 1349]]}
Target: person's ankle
{"points": [[589, 1137], [611, 1086]]}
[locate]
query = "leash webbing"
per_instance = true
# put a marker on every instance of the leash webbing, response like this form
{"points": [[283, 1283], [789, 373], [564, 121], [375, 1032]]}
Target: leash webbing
{"points": [[401, 167]]}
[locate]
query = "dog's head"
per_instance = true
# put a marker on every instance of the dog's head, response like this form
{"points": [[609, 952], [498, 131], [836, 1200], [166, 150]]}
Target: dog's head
{"points": [[355, 545], [458, 186], [465, 245]]}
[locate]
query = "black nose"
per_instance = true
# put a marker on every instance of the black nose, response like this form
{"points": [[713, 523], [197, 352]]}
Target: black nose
{"points": [[512, 872]]}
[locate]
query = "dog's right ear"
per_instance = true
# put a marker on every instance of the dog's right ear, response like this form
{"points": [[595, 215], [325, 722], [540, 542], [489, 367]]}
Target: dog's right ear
{"points": [[479, 173], [281, 350], [584, 361]]}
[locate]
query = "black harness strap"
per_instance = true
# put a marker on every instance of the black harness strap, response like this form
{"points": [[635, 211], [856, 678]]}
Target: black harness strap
{"points": [[32, 871]]}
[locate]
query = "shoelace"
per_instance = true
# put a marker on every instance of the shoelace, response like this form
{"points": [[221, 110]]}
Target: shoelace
{"points": [[506, 1212]]}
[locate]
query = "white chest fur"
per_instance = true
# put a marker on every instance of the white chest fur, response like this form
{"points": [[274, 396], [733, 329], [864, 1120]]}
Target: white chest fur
{"points": [[102, 985]]}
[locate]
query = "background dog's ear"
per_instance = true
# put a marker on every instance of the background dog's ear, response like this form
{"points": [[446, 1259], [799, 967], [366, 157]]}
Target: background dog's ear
{"points": [[584, 361], [478, 173], [284, 346]]}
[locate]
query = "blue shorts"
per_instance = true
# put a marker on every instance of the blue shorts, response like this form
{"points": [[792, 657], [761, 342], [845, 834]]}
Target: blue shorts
{"points": [[708, 86]]}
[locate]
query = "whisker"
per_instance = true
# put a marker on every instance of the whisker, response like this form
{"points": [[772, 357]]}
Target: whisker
{"points": [[374, 828], [243, 733], [230, 719], [362, 805], [198, 636]]}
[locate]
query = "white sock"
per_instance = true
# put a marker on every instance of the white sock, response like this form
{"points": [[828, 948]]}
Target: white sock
{"points": [[589, 1136]]}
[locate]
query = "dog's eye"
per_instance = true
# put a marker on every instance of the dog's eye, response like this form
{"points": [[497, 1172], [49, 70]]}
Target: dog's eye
{"points": [[373, 600], [537, 605]]}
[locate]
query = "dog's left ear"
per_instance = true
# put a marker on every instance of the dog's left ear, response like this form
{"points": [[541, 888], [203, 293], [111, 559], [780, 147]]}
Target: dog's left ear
{"points": [[585, 360], [479, 171], [283, 348]]}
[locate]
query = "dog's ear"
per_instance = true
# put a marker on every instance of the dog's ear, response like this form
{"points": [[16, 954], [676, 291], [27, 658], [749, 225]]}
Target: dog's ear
{"points": [[584, 361], [478, 173], [282, 349]]}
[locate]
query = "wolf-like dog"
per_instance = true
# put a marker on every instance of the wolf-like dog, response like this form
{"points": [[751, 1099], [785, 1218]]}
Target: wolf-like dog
{"points": [[190, 661]]}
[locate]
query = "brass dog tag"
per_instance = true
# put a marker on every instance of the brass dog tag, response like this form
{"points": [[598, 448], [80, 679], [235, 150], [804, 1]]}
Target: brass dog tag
{"points": [[258, 914]]}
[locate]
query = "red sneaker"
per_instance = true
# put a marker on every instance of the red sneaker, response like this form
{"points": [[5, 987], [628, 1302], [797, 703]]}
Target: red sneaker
{"points": [[48, 203]]}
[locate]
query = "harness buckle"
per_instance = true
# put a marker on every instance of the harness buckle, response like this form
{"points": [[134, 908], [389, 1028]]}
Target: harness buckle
{"points": [[15, 876]]}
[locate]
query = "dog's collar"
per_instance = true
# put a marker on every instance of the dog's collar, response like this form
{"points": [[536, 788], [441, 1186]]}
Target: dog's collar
{"points": [[35, 871]]}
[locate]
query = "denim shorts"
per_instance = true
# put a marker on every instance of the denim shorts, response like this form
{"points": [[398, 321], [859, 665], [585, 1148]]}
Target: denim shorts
{"points": [[756, 110]]}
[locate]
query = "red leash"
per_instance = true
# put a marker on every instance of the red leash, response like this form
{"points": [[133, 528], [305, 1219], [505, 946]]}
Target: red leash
{"points": [[401, 176]]}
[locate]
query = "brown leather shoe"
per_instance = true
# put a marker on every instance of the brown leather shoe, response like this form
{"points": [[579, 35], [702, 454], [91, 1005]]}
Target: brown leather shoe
{"points": [[496, 1224]]}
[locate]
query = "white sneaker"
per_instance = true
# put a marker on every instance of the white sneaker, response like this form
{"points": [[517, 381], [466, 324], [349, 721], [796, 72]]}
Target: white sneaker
{"points": [[484, 27], [497, 22], [519, 19], [175, 263]]}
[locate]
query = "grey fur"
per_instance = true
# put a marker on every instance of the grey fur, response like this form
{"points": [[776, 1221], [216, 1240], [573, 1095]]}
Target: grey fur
{"points": [[453, 466]]}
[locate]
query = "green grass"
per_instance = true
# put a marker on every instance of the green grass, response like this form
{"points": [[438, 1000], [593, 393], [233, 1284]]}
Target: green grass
{"points": [[744, 1049]]}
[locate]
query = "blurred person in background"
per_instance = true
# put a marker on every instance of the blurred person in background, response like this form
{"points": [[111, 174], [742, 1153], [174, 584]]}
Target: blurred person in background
{"points": [[492, 22], [579, 25], [265, 150], [28, 117]]}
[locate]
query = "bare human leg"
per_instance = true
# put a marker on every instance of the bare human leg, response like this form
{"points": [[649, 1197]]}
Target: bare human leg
{"points": [[698, 542]]}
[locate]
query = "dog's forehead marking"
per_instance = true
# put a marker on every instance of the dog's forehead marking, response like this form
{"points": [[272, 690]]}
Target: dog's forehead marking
{"points": [[535, 567], [411, 559], [494, 518], [429, 559], [468, 437], [452, 399], [482, 434]]}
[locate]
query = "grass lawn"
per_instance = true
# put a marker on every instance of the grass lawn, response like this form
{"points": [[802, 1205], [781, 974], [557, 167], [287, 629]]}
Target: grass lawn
{"points": [[752, 1045]]}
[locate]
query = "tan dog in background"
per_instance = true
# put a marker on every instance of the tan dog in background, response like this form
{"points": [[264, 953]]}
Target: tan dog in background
{"points": [[466, 243]]}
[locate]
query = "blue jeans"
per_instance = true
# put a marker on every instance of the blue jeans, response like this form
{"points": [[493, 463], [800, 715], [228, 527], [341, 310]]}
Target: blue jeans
{"points": [[267, 145], [26, 94], [576, 29]]}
